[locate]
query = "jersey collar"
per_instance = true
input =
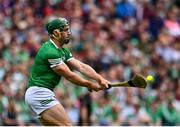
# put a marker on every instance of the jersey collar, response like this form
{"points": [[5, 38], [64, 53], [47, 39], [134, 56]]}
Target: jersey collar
{"points": [[53, 43]]}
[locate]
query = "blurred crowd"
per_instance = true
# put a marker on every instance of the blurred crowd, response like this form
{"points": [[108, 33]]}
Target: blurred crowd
{"points": [[118, 38]]}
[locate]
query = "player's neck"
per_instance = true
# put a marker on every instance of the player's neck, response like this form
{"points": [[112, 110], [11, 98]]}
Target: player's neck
{"points": [[57, 43]]}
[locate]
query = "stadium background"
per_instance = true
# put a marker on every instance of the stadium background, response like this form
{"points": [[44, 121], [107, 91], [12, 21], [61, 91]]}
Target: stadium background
{"points": [[118, 38]]}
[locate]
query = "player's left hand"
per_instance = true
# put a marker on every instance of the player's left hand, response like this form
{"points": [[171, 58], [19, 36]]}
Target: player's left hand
{"points": [[104, 83]]}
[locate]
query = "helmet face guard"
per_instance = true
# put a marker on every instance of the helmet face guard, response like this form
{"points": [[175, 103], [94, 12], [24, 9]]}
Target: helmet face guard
{"points": [[64, 23]]}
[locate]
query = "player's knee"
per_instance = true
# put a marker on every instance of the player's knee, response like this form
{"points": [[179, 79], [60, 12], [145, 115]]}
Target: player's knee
{"points": [[55, 123], [64, 123], [68, 123]]}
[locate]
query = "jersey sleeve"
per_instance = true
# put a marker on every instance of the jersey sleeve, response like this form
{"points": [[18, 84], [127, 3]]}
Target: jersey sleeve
{"points": [[53, 58]]}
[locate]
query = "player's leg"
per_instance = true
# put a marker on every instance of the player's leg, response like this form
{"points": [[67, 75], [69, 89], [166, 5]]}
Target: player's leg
{"points": [[55, 116], [42, 101]]}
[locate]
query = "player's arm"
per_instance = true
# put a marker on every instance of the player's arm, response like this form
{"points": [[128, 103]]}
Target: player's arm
{"points": [[64, 71], [88, 71]]}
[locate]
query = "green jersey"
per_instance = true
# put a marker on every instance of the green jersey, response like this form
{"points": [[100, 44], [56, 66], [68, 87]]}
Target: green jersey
{"points": [[48, 56]]}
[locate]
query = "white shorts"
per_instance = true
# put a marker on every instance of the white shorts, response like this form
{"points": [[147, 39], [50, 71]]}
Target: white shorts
{"points": [[40, 99]]}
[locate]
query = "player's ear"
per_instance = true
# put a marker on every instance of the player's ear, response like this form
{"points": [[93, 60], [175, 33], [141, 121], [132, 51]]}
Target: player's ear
{"points": [[56, 33]]}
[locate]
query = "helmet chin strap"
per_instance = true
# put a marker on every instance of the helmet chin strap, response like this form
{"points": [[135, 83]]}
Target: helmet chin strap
{"points": [[57, 38]]}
